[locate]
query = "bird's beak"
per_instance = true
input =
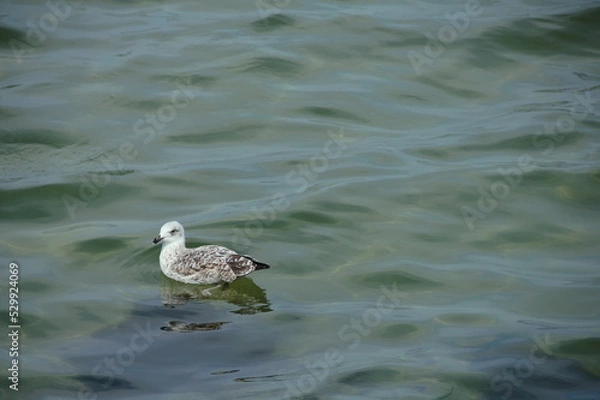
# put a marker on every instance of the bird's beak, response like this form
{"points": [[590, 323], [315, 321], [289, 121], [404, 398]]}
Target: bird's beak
{"points": [[157, 239]]}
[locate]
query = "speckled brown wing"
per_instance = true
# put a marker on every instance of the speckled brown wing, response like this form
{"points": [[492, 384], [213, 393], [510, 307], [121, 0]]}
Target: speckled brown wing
{"points": [[204, 257], [243, 265]]}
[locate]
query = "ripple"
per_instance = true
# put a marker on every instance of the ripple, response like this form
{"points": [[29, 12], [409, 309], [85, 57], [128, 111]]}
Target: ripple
{"points": [[193, 80], [232, 133], [331, 112], [7, 34], [99, 245], [402, 279], [99, 383], [464, 319], [371, 376], [47, 137], [339, 206], [272, 22], [398, 331], [24, 204], [273, 65], [587, 346], [312, 217], [569, 31]]}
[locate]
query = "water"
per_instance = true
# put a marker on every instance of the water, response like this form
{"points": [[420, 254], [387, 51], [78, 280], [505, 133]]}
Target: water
{"points": [[423, 178]]}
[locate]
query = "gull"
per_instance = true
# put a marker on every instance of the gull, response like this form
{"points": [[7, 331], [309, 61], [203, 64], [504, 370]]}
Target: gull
{"points": [[204, 265]]}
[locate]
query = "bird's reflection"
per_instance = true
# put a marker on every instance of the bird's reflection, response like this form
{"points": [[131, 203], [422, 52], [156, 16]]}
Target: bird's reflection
{"points": [[183, 327], [243, 292]]}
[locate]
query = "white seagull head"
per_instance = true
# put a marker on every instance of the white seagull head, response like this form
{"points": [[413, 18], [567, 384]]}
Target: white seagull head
{"points": [[170, 232]]}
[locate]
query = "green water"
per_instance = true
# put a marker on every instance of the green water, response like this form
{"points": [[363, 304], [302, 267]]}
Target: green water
{"points": [[423, 178]]}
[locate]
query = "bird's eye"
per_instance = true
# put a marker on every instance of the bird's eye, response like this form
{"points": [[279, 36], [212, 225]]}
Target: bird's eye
{"points": [[174, 230]]}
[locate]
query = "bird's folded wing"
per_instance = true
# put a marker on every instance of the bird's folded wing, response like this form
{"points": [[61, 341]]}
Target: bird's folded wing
{"points": [[211, 256], [241, 265]]}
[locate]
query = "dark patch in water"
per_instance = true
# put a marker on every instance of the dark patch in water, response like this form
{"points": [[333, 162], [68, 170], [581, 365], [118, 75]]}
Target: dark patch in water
{"points": [[273, 65], [100, 245], [100, 383], [272, 22], [332, 113]]}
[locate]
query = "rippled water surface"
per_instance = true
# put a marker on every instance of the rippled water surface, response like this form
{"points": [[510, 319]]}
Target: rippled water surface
{"points": [[422, 176]]}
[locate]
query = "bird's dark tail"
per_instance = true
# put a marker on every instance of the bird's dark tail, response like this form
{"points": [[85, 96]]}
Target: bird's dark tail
{"points": [[259, 265]]}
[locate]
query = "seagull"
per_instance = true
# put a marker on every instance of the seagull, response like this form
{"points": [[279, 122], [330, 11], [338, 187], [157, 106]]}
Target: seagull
{"points": [[204, 265]]}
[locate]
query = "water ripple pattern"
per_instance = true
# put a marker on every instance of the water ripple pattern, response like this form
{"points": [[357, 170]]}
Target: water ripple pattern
{"points": [[423, 178]]}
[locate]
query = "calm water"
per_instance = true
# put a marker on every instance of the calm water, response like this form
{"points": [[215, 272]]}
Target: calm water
{"points": [[423, 178]]}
